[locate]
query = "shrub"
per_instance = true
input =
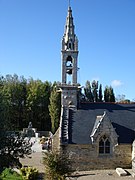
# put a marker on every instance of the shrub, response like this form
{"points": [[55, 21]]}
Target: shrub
{"points": [[29, 173], [9, 174], [13, 147], [57, 165]]}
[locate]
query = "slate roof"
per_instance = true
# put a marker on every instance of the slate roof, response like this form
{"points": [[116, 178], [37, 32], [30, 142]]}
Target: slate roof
{"points": [[81, 121]]}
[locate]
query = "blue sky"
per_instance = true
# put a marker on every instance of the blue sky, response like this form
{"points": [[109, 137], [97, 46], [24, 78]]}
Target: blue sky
{"points": [[31, 33]]}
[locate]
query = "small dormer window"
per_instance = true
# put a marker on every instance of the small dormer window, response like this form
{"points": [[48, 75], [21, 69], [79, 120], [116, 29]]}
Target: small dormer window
{"points": [[104, 145]]}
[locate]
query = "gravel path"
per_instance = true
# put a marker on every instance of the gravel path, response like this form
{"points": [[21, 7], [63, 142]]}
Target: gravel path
{"points": [[35, 160], [100, 175]]}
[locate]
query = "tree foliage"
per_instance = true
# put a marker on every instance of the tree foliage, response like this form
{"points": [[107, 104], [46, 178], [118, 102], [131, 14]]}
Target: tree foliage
{"points": [[109, 94], [23, 101], [100, 93], [38, 94], [9, 174], [57, 166], [93, 93], [55, 108], [4, 107], [88, 92], [13, 147]]}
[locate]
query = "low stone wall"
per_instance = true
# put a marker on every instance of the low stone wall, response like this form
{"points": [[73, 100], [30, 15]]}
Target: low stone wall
{"points": [[86, 157], [44, 133], [133, 157]]}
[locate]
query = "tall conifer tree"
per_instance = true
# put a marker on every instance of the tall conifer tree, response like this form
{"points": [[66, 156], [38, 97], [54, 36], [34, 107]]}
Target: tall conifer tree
{"points": [[100, 93], [55, 108]]}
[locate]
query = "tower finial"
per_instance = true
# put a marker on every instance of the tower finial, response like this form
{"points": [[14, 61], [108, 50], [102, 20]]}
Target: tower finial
{"points": [[69, 3]]}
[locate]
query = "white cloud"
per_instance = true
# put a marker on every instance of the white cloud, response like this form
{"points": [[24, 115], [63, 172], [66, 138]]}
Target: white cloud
{"points": [[116, 83]]}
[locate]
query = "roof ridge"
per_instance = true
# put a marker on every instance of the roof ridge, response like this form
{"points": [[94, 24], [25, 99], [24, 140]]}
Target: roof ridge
{"points": [[107, 103]]}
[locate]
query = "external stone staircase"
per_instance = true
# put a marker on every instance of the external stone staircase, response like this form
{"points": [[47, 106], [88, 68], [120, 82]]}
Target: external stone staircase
{"points": [[65, 125]]}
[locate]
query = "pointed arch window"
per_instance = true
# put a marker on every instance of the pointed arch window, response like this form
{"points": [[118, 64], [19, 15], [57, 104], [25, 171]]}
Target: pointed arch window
{"points": [[104, 145]]}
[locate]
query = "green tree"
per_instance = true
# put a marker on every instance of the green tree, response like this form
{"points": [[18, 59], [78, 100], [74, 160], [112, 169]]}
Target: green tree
{"points": [[4, 107], [106, 94], [109, 94], [55, 108], [100, 93], [112, 96], [25, 101], [94, 90], [38, 94], [14, 90], [88, 92]]}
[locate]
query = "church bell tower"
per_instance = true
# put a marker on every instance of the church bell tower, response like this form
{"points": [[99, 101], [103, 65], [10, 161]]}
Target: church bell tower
{"points": [[69, 52]]}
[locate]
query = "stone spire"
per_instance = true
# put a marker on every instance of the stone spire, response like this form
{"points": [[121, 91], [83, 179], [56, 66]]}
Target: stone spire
{"points": [[69, 86], [69, 41]]}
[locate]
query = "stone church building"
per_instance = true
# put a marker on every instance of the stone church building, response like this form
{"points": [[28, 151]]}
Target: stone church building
{"points": [[95, 135]]}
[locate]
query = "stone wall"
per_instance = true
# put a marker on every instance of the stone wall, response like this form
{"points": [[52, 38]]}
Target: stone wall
{"points": [[133, 157], [86, 157], [56, 141]]}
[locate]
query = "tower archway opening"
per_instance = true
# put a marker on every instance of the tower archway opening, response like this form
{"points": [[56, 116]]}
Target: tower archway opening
{"points": [[69, 65], [69, 59], [69, 69]]}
